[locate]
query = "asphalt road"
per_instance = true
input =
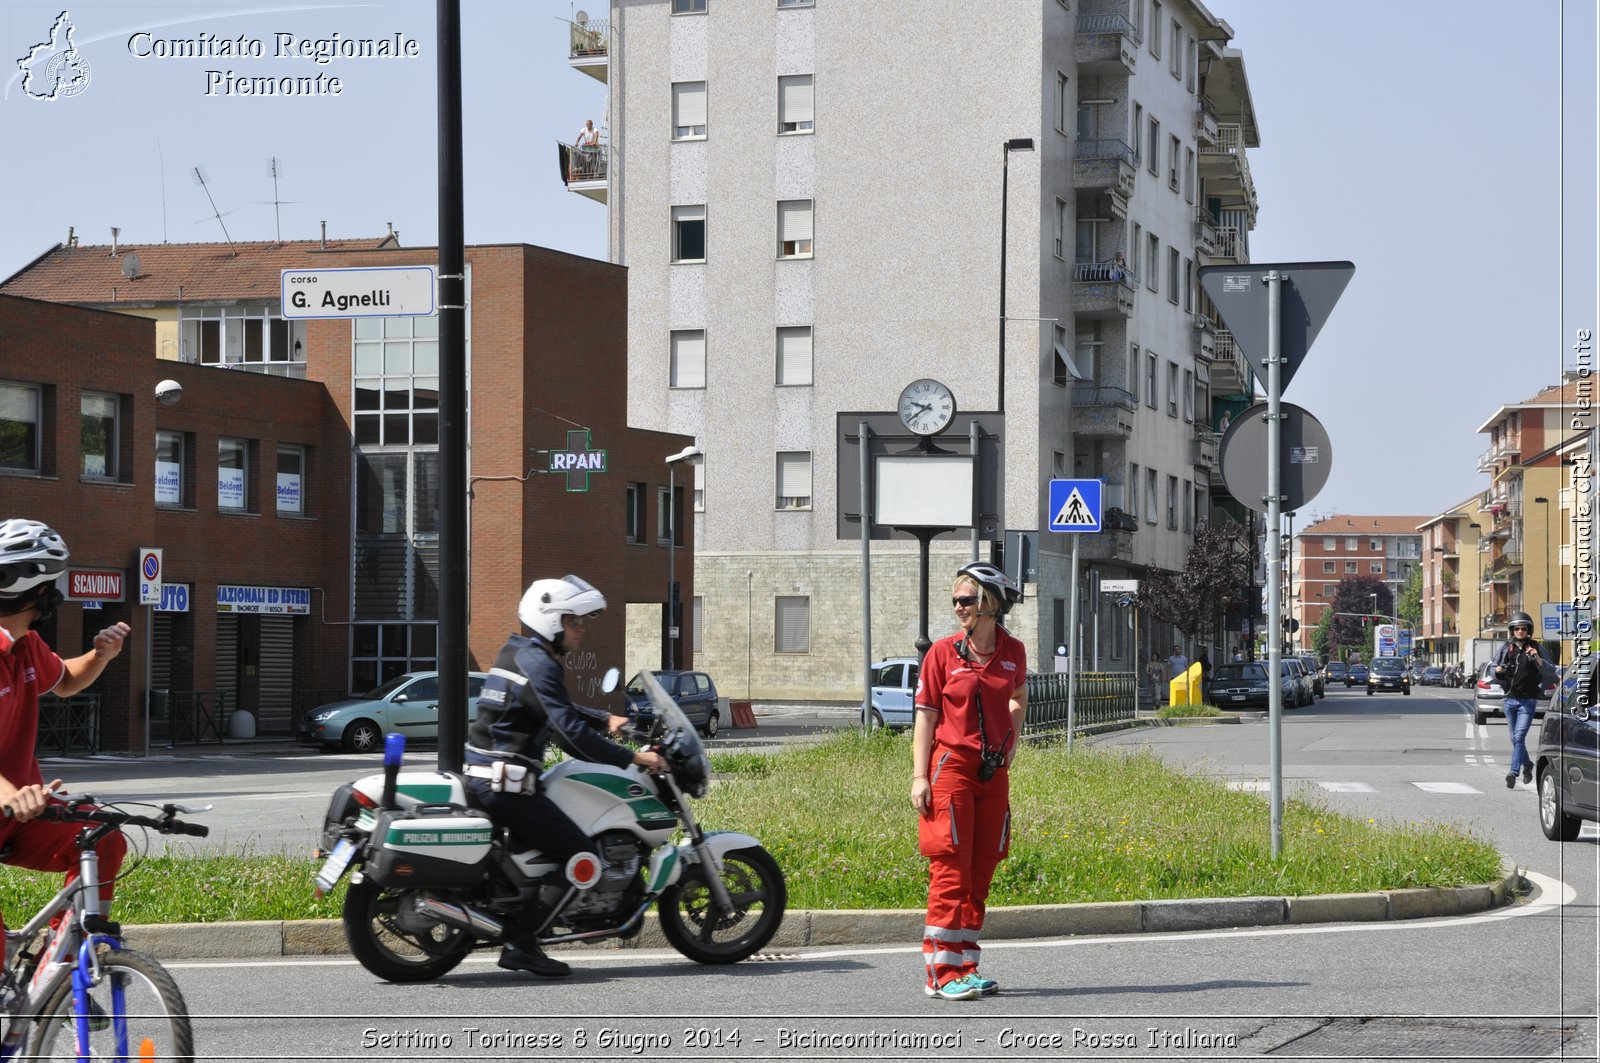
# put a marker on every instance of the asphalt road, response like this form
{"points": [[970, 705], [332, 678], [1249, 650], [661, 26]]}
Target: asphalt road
{"points": [[1517, 982]]}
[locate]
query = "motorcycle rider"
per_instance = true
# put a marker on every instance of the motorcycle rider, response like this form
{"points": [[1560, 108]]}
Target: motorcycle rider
{"points": [[1519, 668], [524, 705]]}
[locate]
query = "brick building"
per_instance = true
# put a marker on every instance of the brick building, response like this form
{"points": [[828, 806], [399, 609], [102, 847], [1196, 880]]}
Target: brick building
{"points": [[1341, 547], [306, 480]]}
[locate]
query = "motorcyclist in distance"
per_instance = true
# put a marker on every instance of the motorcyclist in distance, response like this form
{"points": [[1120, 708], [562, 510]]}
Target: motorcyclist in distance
{"points": [[523, 707]]}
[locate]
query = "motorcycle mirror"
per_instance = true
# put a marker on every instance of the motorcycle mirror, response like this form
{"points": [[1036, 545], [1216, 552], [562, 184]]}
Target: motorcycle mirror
{"points": [[609, 681]]}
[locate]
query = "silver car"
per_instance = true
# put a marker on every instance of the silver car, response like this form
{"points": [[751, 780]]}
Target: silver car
{"points": [[894, 685]]}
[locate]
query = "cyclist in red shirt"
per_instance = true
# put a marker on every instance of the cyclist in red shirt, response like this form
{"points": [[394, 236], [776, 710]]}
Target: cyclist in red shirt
{"points": [[971, 704], [32, 557]]}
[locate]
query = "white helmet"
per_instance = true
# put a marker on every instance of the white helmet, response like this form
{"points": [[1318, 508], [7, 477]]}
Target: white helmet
{"points": [[30, 554], [547, 600]]}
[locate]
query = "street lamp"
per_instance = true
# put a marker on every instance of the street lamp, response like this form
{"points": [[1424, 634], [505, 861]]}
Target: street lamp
{"points": [[1545, 502], [690, 455], [1019, 144]]}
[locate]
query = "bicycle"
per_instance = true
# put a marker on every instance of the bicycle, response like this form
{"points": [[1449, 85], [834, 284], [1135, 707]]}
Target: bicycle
{"points": [[82, 994]]}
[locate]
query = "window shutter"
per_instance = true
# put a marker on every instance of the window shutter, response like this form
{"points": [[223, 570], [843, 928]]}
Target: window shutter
{"points": [[794, 475], [795, 99], [689, 103], [688, 360], [794, 220], [793, 625], [794, 355]]}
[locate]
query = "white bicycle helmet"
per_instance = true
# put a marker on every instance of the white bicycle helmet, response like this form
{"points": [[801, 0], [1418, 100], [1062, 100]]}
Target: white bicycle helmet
{"points": [[1001, 587], [31, 553], [546, 601]]}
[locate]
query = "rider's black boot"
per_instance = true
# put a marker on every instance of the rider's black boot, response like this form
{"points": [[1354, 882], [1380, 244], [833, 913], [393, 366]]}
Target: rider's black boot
{"points": [[522, 953]]}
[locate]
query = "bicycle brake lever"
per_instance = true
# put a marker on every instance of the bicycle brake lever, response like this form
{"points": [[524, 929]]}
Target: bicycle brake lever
{"points": [[187, 810]]}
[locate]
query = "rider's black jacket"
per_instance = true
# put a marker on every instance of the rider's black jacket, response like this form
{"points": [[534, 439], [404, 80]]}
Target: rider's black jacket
{"points": [[524, 706]]}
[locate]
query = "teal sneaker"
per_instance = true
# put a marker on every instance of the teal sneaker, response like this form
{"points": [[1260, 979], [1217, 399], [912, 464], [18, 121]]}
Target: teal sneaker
{"points": [[985, 986], [955, 989]]}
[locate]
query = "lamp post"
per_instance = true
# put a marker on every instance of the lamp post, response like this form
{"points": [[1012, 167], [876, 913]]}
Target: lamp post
{"points": [[690, 455], [1545, 502], [1019, 144]]}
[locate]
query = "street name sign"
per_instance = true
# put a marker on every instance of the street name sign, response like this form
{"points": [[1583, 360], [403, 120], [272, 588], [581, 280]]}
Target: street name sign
{"points": [[379, 291]]}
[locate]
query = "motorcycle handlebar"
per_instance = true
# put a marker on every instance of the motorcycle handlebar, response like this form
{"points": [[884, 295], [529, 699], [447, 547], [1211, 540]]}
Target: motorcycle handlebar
{"points": [[166, 823]]}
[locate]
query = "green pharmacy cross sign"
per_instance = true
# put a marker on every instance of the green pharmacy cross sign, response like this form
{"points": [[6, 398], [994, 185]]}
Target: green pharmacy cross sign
{"points": [[578, 460]]}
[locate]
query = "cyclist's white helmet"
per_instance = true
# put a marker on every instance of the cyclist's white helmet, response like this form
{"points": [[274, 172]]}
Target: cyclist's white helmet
{"points": [[1002, 589], [31, 553], [546, 601]]}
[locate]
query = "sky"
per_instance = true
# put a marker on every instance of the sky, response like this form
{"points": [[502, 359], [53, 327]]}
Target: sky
{"points": [[1446, 147]]}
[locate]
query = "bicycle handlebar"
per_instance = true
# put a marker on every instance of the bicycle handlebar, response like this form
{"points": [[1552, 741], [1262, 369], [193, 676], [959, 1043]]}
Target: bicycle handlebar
{"points": [[166, 823]]}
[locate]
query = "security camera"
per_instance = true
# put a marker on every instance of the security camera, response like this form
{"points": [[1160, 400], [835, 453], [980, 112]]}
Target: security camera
{"points": [[168, 392]]}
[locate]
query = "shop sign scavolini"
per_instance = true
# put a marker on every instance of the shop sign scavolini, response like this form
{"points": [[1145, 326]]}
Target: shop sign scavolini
{"points": [[237, 598]]}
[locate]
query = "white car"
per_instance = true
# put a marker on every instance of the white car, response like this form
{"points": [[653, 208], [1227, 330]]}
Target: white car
{"points": [[894, 684]]}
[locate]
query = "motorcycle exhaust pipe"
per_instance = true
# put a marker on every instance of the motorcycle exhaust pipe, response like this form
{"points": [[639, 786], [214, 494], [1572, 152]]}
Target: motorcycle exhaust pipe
{"points": [[462, 918]]}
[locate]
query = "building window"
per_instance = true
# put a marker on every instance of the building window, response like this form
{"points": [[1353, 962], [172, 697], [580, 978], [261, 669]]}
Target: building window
{"points": [[1173, 286], [688, 359], [1172, 503], [664, 515], [1153, 260], [794, 479], [1154, 161], [796, 104], [1375, 567], [291, 480], [1188, 503], [1188, 285], [1194, 59], [1133, 490], [1352, 543], [1150, 380], [169, 468], [1350, 568], [396, 400], [1136, 243], [245, 334], [1155, 27], [1329, 568], [689, 234], [1172, 389], [696, 621], [1059, 374], [791, 624], [794, 228], [233, 475], [1188, 395], [1188, 174], [1330, 544], [1060, 236], [1088, 351], [98, 435], [380, 652], [19, 428], [396, 549], [1376, 544], [1063, 100], [1175, 58], [1173, 147], [688, 110], [794, 356], [633, 513], [1152, 508], [783, 4], [688, 7]]}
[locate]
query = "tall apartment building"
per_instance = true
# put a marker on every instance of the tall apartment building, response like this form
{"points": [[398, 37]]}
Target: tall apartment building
{"points": [[1341, 547], [1453, 572], [812, 198]]}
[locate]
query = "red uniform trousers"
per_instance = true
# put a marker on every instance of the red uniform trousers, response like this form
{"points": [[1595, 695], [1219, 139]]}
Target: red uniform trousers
{"points": [[47, 845], [964, 837]]}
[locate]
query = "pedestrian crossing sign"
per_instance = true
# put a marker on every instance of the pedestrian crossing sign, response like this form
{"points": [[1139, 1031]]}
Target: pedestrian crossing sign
{"points": [[1075, 505]]}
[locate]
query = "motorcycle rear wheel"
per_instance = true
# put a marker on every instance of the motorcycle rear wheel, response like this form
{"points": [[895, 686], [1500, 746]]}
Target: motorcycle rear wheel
{"points": [[394, 944], [694, 927]]}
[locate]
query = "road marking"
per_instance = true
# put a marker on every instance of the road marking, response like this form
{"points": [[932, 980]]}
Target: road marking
{"points": [[1447, 788], [1347, 787], [1552, 894]]}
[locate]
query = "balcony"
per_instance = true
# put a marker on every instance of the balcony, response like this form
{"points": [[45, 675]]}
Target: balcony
{"points": [[1227, 246], [1206, 130], [590, 48], [1103, 290], [1203, 448], [585, 170], [1106, 46], [1107, 545], [1205, 232], [1102, 412], [1108, 166], [1226, 171], [1205, 338], [1229, 373]]}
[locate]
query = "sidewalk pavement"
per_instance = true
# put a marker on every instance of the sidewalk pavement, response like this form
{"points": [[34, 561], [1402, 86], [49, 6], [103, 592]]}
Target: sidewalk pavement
{"points": [[819, 928]]}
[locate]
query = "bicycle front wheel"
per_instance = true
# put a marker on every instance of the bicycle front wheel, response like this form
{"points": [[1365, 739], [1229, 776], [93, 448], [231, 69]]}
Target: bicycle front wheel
{"points": [[136, 1001]]}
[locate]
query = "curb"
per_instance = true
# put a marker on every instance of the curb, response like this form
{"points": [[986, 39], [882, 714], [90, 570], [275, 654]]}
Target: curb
{"points": [[813, 928]]}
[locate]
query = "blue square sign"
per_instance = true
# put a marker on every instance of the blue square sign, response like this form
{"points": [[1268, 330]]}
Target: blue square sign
{"points": [[1075, 505]]}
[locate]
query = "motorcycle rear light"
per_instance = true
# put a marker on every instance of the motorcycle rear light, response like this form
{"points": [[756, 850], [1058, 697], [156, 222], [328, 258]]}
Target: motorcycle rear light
{"points": [[363, 800]]}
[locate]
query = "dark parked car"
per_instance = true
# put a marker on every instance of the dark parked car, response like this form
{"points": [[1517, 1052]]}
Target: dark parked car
{"points": [[1567, 764], [1388, 673], [1243, 684], [694, 692], [1433, 676], [1318, 683], [407, 704]]}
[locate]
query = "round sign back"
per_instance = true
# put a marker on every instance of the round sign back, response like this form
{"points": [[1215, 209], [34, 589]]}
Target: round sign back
{"points": [[1305, 457]]}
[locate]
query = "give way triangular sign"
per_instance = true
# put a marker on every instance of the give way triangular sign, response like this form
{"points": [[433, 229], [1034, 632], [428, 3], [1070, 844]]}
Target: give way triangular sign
{"points": [[1308, 294]]}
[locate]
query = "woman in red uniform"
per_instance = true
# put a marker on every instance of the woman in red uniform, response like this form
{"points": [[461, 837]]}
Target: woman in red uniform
{"points": [[971, 702]]}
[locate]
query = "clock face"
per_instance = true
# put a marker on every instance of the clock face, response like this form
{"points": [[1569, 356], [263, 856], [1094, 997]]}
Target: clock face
{"points": [[927, 407]]}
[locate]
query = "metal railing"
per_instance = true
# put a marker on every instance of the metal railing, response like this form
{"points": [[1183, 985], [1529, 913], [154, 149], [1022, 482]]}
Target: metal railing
{"points": [[1226, 242], [1101, 697], [1103, 395], [1118, 24], [579, 165], [68, 725], [1105, 149], [191, 717], [1104, 271], [589, 39]]}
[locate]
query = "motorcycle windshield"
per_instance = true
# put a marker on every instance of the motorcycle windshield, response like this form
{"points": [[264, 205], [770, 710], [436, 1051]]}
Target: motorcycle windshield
{"points": [[678, 736]]}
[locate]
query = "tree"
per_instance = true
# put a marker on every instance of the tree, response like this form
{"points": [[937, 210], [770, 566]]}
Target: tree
{"points": [[1354, 594], [1216, 574], [1409, 609], [1320, 636]]}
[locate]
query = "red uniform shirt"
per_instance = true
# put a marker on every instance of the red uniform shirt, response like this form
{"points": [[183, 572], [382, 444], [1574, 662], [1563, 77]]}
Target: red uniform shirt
{"points": [[28, 668], [948, 684]]}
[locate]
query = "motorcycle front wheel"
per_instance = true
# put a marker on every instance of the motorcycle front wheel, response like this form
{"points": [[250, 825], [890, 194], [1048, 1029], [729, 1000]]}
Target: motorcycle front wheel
{"points": [[690, 919], [391, 940]]}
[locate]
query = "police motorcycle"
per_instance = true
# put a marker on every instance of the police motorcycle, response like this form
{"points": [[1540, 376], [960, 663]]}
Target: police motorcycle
{"points": [[432, 879]]}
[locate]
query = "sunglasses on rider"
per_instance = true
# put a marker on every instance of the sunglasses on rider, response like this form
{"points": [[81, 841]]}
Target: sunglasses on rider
{"points": [[965, 601]]}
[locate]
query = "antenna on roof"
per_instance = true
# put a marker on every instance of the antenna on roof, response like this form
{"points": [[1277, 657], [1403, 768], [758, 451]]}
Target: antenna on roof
{"points": [[200, 179], [275, 168], [131, 265]]}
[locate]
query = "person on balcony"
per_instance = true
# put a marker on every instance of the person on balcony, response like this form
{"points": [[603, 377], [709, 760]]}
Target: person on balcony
{"points": [[586, 153]]}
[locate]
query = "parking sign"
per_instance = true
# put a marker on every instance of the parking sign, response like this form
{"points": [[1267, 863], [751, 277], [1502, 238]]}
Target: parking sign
{"points": [[150, 575]]}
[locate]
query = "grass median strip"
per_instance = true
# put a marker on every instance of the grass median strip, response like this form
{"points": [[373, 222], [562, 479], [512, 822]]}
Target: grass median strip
{"points": [[1090, 825]]}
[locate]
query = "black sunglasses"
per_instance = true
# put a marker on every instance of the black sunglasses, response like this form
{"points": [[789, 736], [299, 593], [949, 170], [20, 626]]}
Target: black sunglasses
{"points": [[966, 601]]}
